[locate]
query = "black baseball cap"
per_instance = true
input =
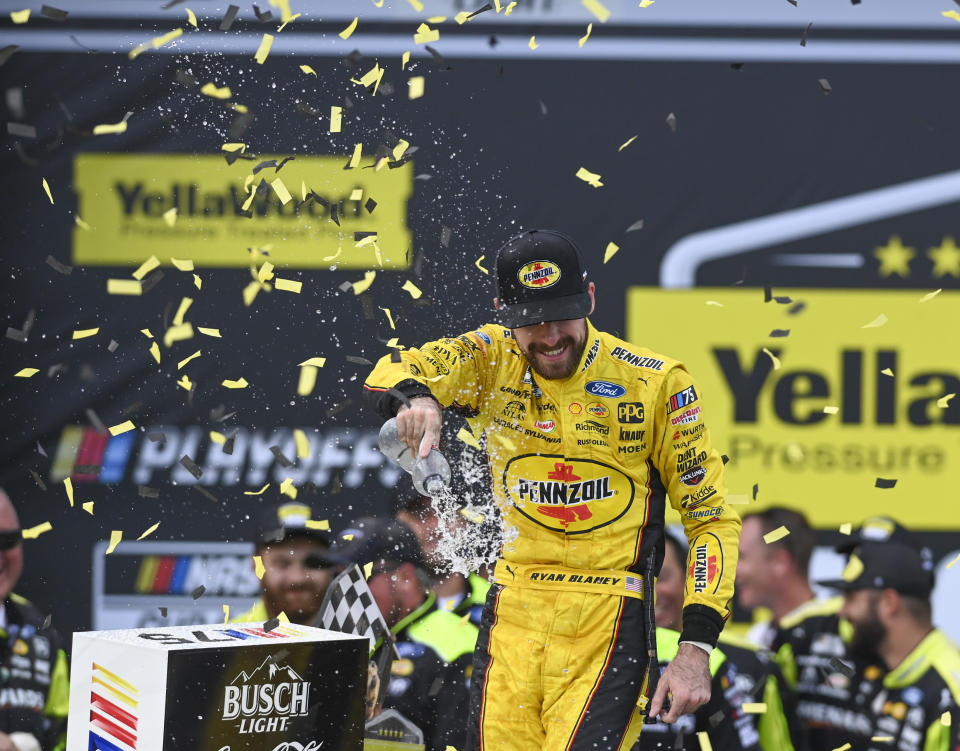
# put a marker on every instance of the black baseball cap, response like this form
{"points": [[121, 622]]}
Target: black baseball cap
{"points": [[540, 278], [879, 529], [282, 521], [888, 564], [384, 542]]}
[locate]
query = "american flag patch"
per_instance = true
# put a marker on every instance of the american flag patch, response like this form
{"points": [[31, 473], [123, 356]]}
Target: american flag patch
{"points": [[633, 584]]}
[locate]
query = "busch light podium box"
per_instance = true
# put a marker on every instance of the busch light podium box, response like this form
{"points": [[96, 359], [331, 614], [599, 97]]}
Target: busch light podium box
{"points": [[229, 687]]}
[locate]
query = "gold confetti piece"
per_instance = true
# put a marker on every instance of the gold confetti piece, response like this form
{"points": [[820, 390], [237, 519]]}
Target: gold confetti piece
{"points": [[610, 251], [185, 304], [394, 342], [400, 148], [412, 288], [185, 383], [240, 383], [170, 216], [585, 37], [85, 333], [147, 333], [258, 561], [846, 528], [930, 295], [316, 362], [946, 718], [345, 34], [155, 351], [303, 443], [287, 488], [882, 739], [355, 159], [46, 187], [218, 438], [425, 34], [282, 617], [80, 223], [467, 437], [404, 59], [264, 49], [124, 287], [472, 516], [34, 532], [702, 736], [628, 142], [532, 44], [308, 70], [507, 443], [68, 486], [509, 9], [146, 267], [290, 20], [477, 264], [887, 372], [20, 16], [226, 614], [241, 147], [185, 360], [754, 707], [336, 119], [776, 360], [844, 747], [288, 285], [197, 282], [371, 78], [257, 492], [123, 427], [26, 373], [715, 303], [321, 524], [238, 108], [778, 534], [955, 15], [307, 381], [462, 17], [646, 3], [281, 190], [853, 569], [597, 8], [876, 322], [416, 86], [265, 274], [830, 410], [348, 537], [107, 129], [367, 570], [954, 561], [182, 265], [216, 92], [115, 536], [191, 18], [590, 178], [944, 401], [389, 317], [364, 284], [250, 293], [149, 531], [356, 194], [88, 507]]}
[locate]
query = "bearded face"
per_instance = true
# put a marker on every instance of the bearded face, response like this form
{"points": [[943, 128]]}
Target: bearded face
{"points": [[553, 349]]}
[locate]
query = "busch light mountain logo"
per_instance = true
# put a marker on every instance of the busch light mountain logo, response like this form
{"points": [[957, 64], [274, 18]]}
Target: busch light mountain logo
{"points": [[605, 388], [265, 700]]}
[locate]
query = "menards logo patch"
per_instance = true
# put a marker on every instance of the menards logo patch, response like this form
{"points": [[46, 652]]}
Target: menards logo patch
{"points": [[568, 495]]}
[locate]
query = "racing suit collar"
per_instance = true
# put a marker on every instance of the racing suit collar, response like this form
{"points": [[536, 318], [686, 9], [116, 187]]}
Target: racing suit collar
{"points": [[593, 337]]}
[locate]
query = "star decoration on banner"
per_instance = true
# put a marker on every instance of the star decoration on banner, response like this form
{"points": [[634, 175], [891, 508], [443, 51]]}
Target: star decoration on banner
{"points": [[894, 258], [945, 257]]}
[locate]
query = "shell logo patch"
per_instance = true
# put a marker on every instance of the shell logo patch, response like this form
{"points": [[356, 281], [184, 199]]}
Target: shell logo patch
{"points": [[567, 495], [539, 274]]}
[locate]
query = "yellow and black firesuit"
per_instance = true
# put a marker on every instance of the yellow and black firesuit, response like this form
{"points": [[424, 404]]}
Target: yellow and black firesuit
{"points": [[581, 469]]}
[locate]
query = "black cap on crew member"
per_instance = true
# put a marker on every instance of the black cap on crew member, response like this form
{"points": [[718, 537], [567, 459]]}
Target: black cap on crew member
{"points": [[540, 277]]}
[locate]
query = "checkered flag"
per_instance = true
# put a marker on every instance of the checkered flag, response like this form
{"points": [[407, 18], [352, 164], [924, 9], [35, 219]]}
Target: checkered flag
{"points": [[349, 607]]}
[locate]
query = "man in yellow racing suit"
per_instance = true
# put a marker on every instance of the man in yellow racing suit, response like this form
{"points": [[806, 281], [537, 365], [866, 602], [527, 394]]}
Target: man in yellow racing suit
{"points": [[586, 434]]}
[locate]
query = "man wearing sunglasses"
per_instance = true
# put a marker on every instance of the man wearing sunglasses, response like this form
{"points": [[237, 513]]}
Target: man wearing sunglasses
{"points": [[34, 684]]}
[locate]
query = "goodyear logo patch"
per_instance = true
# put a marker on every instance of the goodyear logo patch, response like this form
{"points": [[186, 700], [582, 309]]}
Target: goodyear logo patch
{"points": [[539, 274]]}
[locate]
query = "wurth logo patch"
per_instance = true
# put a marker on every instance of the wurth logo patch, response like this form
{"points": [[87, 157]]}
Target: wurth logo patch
{"points": [[703, 570]]}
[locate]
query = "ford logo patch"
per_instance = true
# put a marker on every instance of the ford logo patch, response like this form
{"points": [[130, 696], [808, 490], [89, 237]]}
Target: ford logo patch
{"points": [[605, 388]]}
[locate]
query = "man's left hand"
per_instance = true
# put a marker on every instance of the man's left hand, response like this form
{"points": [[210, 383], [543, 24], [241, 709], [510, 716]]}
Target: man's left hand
{"points": [[687, 680]]}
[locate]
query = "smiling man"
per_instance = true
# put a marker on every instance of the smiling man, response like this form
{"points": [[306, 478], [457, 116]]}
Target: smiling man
{"points": [[585, 434]]}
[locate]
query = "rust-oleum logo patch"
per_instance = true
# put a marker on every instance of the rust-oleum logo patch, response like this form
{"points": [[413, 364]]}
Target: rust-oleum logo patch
{"points": [[568, 495], [539, 274]]}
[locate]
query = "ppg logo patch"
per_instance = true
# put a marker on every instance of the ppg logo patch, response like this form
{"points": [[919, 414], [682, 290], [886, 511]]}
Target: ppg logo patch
{"points": [[630, 412]]}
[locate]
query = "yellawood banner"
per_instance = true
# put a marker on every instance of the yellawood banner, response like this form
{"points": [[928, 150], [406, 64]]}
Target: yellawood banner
{"points": [[123, 199], [836, 403]]}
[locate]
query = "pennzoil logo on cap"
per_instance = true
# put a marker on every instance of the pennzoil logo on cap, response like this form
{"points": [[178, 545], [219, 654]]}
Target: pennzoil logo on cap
{"points": [[539, 274]]}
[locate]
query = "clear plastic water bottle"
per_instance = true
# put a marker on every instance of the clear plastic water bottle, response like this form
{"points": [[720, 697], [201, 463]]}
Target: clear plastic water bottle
{"points": [[393, 448], [431, 475]]}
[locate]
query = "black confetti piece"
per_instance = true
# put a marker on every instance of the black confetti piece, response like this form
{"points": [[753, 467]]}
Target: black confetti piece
{"points": [[40, 449], [198, 592], [724, 458], [446, 234], [841, 667], [24, 157], [264, 165], [438, 58], [477, 12], [60, 268], [737, 66], [112, 347], [191, 466], [358, 360], [435, 686], [87, 469], [262, 16], [283, 162], [229, 443], [635, 226], [157, 437], [395, 356], [206, 493], [756, 489], [797, 308], [779, 333], [370, 205], [793, 3], [281, 459], [884, 484], [146, 491], [185, 79], [37, 479], [803, 37], [16, 334], [80, 44], [54, 14], [270, 625], [358, 236], [336, 408], [95, 420], [767, 294], [7, 52], [163, 612], [715, 719], [152, 280], [825, 86], [46, 622], [782, 300], [229, 18], [131, 408], [334, 214], [672, 122], [345, 286], [21, 130], [543, 108]]}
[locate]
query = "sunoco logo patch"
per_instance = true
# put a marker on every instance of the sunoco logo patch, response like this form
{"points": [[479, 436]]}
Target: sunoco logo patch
{"points": [[539, 274], [568, 495]]}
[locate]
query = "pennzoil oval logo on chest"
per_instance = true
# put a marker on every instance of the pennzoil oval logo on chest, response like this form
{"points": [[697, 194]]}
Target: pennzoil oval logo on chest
{"points": [[567, 495], [539, 274]]}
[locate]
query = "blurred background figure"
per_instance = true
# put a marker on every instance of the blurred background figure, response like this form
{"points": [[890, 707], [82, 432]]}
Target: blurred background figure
{"points": [[34, 683], [297, 568], [887, 584], [740, 673], [429, 683]]}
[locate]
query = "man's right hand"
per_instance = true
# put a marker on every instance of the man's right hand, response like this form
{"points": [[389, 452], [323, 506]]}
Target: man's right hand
{"points": [[419, 425]]}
